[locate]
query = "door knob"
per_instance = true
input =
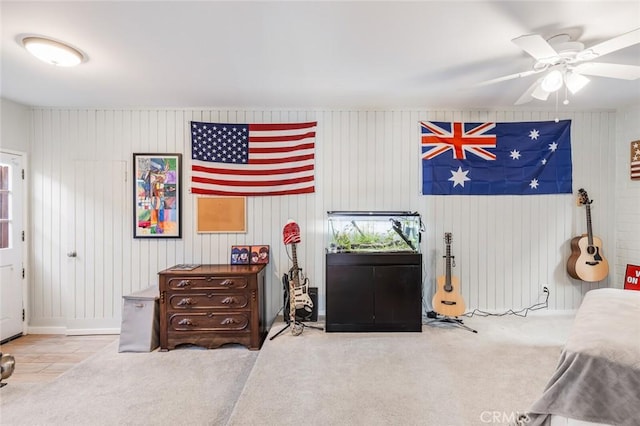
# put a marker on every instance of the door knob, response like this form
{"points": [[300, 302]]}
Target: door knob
{"points": [[72, 254]]}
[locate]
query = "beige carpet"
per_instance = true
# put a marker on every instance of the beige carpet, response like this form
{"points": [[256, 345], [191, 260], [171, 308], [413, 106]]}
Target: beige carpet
{"points": [[442, 376], [189, 386]]}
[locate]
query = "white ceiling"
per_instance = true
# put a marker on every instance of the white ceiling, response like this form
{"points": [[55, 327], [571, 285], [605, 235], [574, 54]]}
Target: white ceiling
{"points": [[304, 54]]}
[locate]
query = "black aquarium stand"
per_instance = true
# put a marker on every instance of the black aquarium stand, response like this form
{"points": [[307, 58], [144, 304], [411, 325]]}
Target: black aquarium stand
{"points": [[373, 292]]}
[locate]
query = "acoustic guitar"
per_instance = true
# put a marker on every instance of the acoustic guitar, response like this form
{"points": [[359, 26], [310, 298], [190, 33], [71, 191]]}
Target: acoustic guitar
{"points": [[587, 263], [447, 300]]}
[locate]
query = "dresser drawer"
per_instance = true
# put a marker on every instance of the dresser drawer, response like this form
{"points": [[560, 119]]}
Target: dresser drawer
{"points": [[208, 300], [209, 321], [213, 283]]}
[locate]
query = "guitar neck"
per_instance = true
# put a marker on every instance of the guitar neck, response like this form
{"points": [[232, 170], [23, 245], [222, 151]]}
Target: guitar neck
{"points": [[295, 276], [589, 228], [448, 268]]}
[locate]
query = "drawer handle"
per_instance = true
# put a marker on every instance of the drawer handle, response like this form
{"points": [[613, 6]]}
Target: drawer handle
{"points": [[184, 283], [185, 321], [226, 283], [229, 300], [186, 302], [228, 321]]}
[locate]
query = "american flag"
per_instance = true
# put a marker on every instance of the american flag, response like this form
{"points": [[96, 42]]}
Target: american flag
{"points": [[252, 159], [518, 158], [635, 160]]}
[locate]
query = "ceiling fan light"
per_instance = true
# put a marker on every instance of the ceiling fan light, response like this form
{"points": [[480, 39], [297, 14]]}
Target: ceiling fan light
{"points": [[575, 82], [539, 93], [552, 81], [53, 52]]}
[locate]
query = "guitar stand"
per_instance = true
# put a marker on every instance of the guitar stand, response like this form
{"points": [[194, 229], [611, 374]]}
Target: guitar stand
{"points": [[286, 301], [297, 323], [449, 320]]}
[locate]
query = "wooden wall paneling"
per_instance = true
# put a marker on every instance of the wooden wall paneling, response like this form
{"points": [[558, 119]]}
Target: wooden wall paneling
{"points": [[472, 252], [124, 143], [40, 190], [66, 225], [507, 248], [139, 246], [53, 213], [48, 162], [627, 196], [36, 216]]}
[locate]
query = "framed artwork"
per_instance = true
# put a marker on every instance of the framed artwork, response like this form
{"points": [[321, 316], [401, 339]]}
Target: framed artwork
{"points": [[240, 255], [221, 215], [634, 162], [157, 195], [632, 277], [259, 254]]}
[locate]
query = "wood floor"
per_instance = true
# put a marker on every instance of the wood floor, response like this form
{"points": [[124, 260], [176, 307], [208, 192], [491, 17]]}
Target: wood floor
{"points": [[41, 358]]}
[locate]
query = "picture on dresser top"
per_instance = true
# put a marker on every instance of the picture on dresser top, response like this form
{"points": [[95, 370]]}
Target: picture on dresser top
{"points": [[259, 254], [240, 255]]}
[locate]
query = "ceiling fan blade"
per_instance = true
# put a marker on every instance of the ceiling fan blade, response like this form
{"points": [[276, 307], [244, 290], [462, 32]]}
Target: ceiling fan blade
{"points": [[613, 44], [527, 96], [601, 69], [536, 46], [508, 77]]}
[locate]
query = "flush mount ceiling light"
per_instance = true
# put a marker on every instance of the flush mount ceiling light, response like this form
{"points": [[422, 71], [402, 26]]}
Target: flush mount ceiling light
{"points": [[52, 51]]}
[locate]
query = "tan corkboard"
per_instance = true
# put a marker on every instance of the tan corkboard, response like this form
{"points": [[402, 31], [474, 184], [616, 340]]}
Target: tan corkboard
{"points": [[221, 214]]}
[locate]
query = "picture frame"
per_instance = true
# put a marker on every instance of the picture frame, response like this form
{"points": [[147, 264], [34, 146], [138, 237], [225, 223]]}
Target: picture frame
{"points": [[259, 254], [634, 161], [632, 277], [157, 195], [240, 255]]}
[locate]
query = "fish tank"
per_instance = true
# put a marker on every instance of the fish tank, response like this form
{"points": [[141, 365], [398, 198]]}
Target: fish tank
{"points": [[374, 231]]}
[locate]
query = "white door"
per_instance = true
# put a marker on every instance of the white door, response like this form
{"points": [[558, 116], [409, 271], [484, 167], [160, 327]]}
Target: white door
{"points": [[100, 219], [11, 244]]}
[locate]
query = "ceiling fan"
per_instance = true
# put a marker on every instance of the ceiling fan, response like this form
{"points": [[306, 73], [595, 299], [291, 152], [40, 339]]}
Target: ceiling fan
{"points": [[566, 62]]}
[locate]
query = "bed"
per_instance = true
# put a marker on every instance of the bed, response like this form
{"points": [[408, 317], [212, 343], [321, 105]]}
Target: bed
{"points": [[597, 379]]}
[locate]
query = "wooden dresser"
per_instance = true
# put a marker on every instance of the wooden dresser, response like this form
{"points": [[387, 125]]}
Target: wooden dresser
{"points": [[212, 305]]}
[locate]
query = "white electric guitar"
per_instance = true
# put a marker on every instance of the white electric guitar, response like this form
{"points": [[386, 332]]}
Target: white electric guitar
{"points": [[298, 283]]}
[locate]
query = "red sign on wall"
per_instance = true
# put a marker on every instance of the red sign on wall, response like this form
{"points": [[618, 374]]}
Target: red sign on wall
{"points": [[632, 278]]}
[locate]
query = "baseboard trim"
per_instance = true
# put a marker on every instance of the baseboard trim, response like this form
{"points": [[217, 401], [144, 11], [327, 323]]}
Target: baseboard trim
{"points": [[84, 332], [46, 330], [71, 332]]}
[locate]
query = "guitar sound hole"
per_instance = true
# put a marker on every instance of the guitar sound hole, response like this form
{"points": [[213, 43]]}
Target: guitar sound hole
{"points": [[448, 302]]}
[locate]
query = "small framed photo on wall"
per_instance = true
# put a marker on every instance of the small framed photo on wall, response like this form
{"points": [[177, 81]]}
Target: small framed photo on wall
{"points": [[240, 255], [259, 254]]}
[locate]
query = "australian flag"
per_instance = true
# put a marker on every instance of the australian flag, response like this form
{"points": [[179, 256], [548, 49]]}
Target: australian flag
{"points": [[518, 158]]}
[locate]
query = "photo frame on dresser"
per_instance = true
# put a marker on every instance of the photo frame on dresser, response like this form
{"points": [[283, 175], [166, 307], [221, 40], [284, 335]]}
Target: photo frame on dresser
{"points": [[240, 255], [157, 195], [259, 254]]}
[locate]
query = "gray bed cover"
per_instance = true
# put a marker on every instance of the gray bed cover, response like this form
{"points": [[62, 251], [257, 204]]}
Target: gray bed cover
{"points": [[598, 374]]}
